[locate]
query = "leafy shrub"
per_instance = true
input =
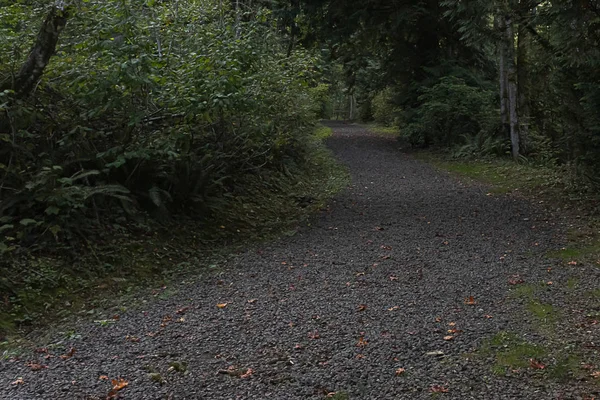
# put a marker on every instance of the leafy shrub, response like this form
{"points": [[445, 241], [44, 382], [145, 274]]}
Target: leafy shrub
{"points": [[146, 109], [384, 111], [451, 111]]}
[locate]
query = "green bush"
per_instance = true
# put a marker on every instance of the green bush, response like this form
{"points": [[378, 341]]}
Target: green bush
{"points": [[385, 112], [452, 111], [145, 109]]}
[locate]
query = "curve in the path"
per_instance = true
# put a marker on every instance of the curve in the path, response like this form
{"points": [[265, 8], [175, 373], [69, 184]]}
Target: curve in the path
{"points": [[371, 287]]}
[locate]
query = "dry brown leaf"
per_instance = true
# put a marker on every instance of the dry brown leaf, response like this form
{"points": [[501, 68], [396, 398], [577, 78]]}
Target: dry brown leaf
{"points": [[362, 342], [35, 366], [362, 307], [314, 335], [400, 371], [103, 378], [69, 354], [454, 331], [19, 381], [182, 310], [449, 337], [222, 305], [393, 308], [470, 301], [451, 323], [133, 339], [247, 374], [439, 389], [572, 263], [118, 384], [515, 280], [536, 364], [438, 319]]}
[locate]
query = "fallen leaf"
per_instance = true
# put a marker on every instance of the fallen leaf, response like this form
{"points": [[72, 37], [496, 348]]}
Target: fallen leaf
{"points": [[133, 339], [400, 371], [362, 307], [222, 305], [515, 280], [182, 310], [438, 319], [116, 317], [69, 354], [118, 384], [454, 331], [550, 283], [536, 364], [165, 321], [449, 337], [360, 274], [451, 323], [488, 316], [572, 263], [247, 374], [470, 301], [439, 389], [393, 278], [35, 366], [19, 381], [252, 301], [393, 308], [362, 342], [103, 378]]}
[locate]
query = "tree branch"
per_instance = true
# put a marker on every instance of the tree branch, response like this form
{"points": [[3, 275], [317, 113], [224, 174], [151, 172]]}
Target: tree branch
{"points": [[41, 52]]}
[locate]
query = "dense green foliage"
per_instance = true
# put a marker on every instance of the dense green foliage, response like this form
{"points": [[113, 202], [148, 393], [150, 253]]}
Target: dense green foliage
{"points": [[145, 111], [478, 76]]}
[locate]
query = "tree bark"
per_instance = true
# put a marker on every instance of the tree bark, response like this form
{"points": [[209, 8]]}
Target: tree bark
{"points": [[503, 73], [41, 52], [513, 91], [524, 84]]}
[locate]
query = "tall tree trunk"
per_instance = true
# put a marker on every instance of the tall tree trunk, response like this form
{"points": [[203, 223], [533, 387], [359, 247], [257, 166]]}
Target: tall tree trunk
{"points": [[524, 83], [513, 90], [39, 56], [503, 73]]}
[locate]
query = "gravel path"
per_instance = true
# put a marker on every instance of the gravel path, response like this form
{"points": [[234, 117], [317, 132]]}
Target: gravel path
{"points": [[372, 286]]}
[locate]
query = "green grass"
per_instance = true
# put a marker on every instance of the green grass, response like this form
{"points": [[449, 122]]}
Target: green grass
{"points": [[322, 132], [525, 290], [503, 175], [510, 352], [386, 131], [574, 253], [546, 314]]}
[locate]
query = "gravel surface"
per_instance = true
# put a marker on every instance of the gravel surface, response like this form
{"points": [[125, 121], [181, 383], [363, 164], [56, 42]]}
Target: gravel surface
{"points": [[372, 286]]}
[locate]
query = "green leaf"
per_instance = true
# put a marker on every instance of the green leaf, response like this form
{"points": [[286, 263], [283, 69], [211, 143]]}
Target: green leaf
{"points": [[6, 227], [52, 210], [28, 221]]}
